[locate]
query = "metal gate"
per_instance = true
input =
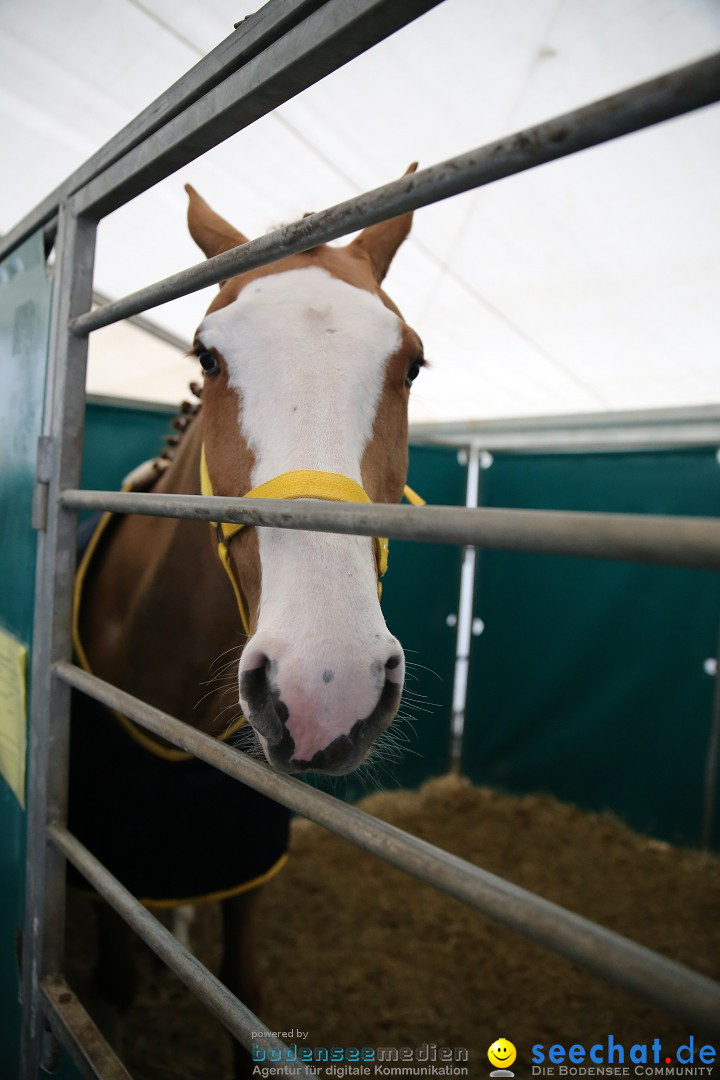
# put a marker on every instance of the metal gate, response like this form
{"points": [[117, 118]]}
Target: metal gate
{"points": [[286, 47]]}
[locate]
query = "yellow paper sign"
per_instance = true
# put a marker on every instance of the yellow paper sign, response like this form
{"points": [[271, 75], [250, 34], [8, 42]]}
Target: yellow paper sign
{"points": [[13, 715]]}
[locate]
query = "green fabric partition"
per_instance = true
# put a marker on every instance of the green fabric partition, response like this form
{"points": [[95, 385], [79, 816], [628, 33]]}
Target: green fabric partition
{"points": [[420, 590], [589, 678], [25, 297], [118, 437]]}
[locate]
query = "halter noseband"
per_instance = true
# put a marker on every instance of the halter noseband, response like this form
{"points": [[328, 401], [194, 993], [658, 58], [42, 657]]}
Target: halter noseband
{"points": [[298, 484]]}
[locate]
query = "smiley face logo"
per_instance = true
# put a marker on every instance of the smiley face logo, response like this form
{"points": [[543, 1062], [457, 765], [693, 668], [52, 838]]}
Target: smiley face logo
{"points": [[502, 1054]]}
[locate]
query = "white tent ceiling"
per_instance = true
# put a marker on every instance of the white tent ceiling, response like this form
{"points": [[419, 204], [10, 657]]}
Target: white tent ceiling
{"points": [[587, 284]]}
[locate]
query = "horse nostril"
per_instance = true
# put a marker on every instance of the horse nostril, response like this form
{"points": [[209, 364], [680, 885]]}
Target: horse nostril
{"points": [[254, 685], [265, 710], [393, 662]]}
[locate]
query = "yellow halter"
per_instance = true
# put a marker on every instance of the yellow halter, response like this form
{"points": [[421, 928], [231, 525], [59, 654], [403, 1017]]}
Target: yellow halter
{"points": [[301, 484], [298, 484]]}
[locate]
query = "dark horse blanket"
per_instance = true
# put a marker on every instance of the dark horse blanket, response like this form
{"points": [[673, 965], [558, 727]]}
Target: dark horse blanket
{"points": [[172, 831]]}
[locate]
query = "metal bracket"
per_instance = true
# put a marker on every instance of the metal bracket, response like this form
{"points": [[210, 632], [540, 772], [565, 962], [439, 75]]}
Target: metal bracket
{"points": [[42, 481], [50, 1053], [478, 626]]}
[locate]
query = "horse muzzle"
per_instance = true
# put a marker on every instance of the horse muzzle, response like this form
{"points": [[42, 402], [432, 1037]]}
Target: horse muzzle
{"points": [[302, 730]]}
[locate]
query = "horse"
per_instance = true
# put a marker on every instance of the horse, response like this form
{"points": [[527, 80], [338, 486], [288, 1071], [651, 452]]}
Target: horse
{"points": [[307, 367]]}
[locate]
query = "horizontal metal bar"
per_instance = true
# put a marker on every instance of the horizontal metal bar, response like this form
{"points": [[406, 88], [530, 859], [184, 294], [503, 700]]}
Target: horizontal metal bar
{"points": [[671, 986], [78, 1033], [631, 110], [645, 538], [254, 34], [231, 1012], [337, 32]]}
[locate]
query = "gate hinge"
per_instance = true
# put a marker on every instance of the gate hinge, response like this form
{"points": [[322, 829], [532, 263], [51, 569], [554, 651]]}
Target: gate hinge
{"points": [[42, 482]]}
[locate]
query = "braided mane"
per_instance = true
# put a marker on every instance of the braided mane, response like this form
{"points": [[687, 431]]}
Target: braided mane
{"points": [[146, 475], [186, 413]]}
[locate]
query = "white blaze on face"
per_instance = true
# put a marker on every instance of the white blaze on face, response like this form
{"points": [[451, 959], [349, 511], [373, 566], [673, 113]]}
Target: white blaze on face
{"points": [[308, 355]]}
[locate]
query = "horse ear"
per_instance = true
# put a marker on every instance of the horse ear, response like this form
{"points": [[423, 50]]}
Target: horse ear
{"points": [[210, 232], [380, 242]]}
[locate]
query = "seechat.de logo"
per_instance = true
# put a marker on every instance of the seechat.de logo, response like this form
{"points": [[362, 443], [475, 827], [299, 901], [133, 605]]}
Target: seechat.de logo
{"points": [[613, 1058]]}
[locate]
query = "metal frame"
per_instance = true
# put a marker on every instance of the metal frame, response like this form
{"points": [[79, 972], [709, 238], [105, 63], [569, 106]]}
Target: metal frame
{"points": [[282, 49], [573, 433], [287, 46]]}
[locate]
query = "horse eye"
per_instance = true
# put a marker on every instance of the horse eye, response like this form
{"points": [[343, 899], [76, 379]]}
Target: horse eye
{"points": [[208, 362], [413, 373]]}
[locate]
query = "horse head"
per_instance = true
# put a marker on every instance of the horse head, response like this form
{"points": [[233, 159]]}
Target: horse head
{"points": [[308, 366]]}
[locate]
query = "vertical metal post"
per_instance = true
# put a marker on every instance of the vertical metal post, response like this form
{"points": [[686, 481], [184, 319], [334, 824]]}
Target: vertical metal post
{"points": [[465, 620], [63, 426], [712, 763]]}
